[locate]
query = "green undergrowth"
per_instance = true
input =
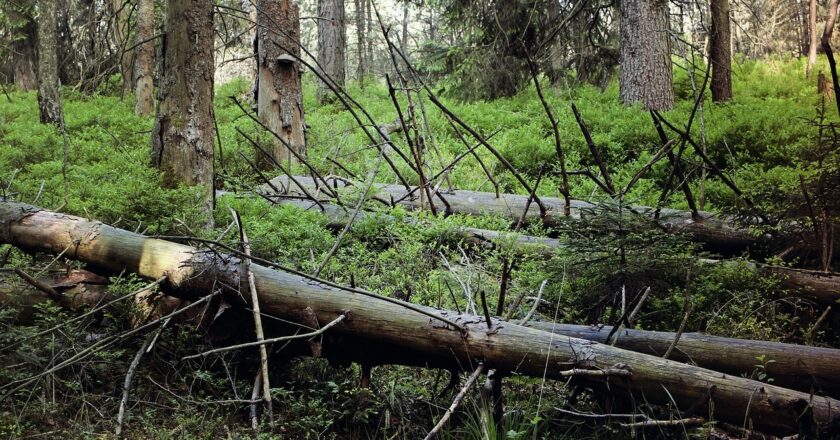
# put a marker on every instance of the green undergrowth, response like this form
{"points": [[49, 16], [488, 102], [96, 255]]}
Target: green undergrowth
{"points": [[759, 139]]}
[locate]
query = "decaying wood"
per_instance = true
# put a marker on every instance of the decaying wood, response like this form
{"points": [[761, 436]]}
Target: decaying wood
{"points": [[75, 288], [411, 329], [718, 231]]}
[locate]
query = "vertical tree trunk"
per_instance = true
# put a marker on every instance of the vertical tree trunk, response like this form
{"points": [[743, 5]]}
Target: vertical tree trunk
{"points": [[120, 31], [145, 65], [645, 54], [404, 36], [279, 102], [812, 36], [829, 22], [720, 45], [331, 43], [371, 32], [829, 53], [23, 51], [182, 138], [360, 38], [49, 98]]}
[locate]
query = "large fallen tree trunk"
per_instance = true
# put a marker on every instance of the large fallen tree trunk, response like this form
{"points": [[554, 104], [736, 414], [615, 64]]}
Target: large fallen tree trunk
{"points": [[718, 231], [463, 339], [820, 286], [811, 369], [793, 366]]}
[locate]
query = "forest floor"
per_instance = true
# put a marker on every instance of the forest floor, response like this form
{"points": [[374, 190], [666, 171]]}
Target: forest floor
{"points": [[765, 140]]}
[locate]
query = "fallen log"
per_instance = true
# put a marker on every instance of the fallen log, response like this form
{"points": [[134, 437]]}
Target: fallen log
{"points": [[823, 287], [794, 366], [465, 339], [809, 369], [717, 231], [78, 288]]}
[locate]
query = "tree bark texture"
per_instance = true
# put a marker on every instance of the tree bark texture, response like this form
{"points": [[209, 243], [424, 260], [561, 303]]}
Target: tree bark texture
{"points": [[360, 41], [144, 68], [720, 51], [331, 45], [182, 137], [279, 96], [371, 33], [459, 339], [812, 36], [645, 54], [49, 94], [120, 32]]}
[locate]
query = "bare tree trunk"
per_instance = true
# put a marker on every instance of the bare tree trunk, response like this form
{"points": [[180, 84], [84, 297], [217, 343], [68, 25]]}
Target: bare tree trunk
{"points": [[182, 138], [399, 332], [812, 36], [49, 97], [720, 55], [404, 36], [829, 22], [279, 101], [829, 53], [120, 31], [331, 45], [360, 38], [645, 54], [23, 52], [145, 65], [371, 34]]}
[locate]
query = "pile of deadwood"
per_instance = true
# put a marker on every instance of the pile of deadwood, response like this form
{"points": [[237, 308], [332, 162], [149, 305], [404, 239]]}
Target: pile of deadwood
{"points": [[703, 377]]}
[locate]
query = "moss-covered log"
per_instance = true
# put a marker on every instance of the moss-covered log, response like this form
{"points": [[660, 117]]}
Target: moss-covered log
{"points": [[466, 339]]}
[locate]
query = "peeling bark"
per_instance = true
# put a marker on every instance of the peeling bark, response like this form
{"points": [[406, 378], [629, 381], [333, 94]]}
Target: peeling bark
{"points": [[182, 138]]}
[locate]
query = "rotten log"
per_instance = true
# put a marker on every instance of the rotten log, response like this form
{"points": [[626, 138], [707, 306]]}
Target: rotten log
{"points": [[718, 231], [77, 288], [464, 339]]}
